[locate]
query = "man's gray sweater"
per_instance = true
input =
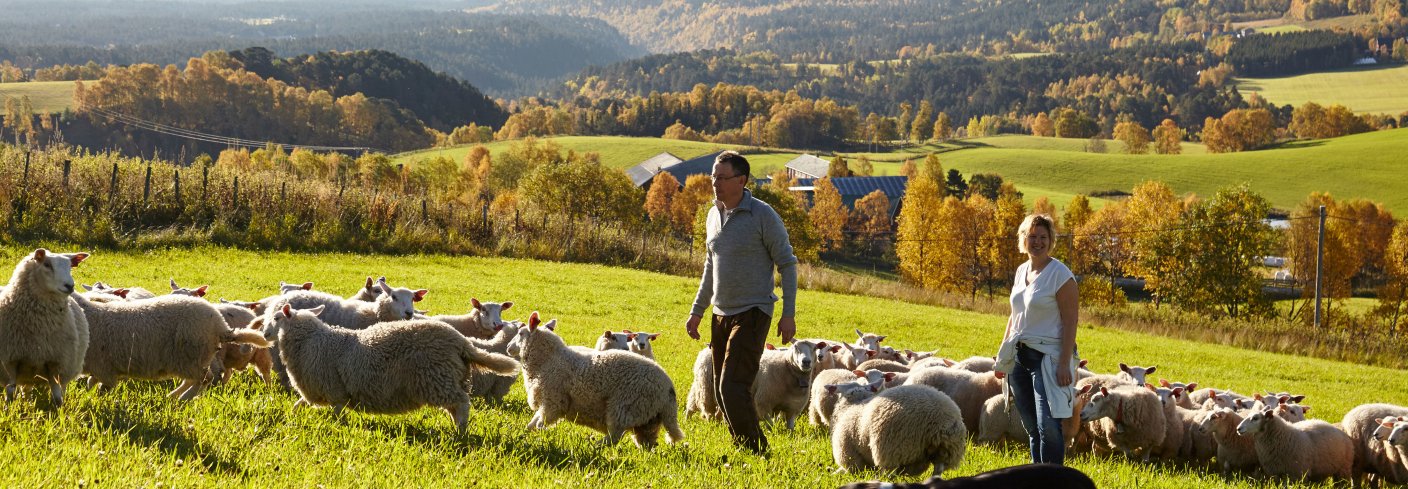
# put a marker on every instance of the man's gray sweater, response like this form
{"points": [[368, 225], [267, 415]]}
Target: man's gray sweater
{"points": [[743, 250]]}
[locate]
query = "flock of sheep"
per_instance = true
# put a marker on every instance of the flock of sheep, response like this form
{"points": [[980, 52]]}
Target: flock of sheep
{"points": [[887, 409]]}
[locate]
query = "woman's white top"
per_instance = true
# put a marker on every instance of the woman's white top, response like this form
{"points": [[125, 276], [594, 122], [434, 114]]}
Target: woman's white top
{"points": [[1034, 309]]}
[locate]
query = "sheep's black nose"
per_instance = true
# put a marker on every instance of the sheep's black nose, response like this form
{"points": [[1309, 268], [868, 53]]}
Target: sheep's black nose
{"points": [[68, 288]]}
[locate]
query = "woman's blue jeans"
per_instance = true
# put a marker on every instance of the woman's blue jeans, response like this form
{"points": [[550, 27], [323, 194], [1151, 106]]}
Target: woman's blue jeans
{"points": [[1029, 398]]}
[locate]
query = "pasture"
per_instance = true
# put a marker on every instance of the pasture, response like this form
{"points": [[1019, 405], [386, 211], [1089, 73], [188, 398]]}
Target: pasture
{"points": [[48, 97], [249, 434], [1376, 89]]}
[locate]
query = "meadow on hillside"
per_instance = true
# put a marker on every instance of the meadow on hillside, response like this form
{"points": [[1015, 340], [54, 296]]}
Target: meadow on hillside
{"points": [[50, 97], [248, 433], [1374, 89]]}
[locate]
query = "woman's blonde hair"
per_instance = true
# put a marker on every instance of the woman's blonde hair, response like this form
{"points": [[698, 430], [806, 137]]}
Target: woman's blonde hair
{"points": [[1031, 221]]}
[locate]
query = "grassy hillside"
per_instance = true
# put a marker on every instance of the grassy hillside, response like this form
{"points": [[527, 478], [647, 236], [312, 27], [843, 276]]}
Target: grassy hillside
{"points": [[1364, 89], [615, 151], [249, 434], [47, 97]]}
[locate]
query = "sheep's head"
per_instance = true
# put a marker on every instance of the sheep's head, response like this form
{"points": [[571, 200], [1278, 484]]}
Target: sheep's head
{"points": [[1098, 406], [237, 316], [285, 287], [803, 355], [826, 355], [536, 332], [1167, 397], [1254, 423], [1139, 374], [868, 340], [888, 353], [853, 392], [1399, 435], [274, 321], [1384, 426], [52, 272], [196, 292], [398, 303], [639, 343], [873, 376], [490, 313], [612, 341]]}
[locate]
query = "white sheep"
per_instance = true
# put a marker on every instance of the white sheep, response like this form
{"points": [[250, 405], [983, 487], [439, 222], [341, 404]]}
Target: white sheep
{"points": [[611, 392], [1135, 375], [1395, 468], [482, 320], [905, 429], [911, 356], [1372, 455], [1310, 449], [179, 290], [823, 400], [235, 356], [784, 382], [639, 343], [394, 304], [610, 340], [997, 422], [703, 399], [1185, 399], [285, 287], [486, 384], [827, 357], [967, 389], [129, 293], [389, 368], [43, 335], [1131, 418], [1234, 451], [869, 341], [1219, 397], [370, 291], [976, 364], [883, 365], [164, 337], [1177, 421]]}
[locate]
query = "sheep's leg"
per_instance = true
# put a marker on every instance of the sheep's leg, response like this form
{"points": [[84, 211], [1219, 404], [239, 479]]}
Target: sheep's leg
{"points": [[9, 392], [613, 435], [195, 390], [538, 422], [181, 389], [265, 367], [56, 392], [647, 435]]}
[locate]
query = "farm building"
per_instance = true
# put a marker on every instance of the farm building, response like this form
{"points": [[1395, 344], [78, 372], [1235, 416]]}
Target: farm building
{"points": [[855, 188]]}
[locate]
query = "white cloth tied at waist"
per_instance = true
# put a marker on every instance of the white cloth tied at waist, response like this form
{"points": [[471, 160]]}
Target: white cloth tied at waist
{"points": [[1060, 400]]}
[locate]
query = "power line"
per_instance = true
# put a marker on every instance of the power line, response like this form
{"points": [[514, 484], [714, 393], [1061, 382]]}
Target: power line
{"points": [[1214, 225], [212, 138]]}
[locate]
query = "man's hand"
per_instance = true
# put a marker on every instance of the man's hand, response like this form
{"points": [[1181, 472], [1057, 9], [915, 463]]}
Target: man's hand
{"points": [[692, 326], [1063, 374], [787, 328]]}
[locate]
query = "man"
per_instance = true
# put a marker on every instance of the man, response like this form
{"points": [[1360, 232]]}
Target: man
{"points": [[746, 241]]}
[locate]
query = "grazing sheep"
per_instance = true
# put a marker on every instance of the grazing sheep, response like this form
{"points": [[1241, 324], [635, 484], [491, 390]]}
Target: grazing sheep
{"points": [[235, 356], [976, 364], [179, 290], [370, 291], [639, 343], [1310, 449], [1371, 453], [1234, 451], [784, 381], [612, 341], [967, 389], [1135, 375], [823, 400], [1029, 476], [905, 429], [483, 319], [610, 392], [393, 305], [389, 368], [285, 288], [164, 337], [43, 335], [486, 384], [703, 399], [1131, 418]]}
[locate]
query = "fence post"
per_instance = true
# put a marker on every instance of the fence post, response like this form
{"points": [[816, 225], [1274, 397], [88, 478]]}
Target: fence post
{"points": [[176, 184], [68, 165], [26, 169], [147, 185], [112, 187], [283, 195], [424, 212], [204, 182], [236, 194], [1319, 266]]}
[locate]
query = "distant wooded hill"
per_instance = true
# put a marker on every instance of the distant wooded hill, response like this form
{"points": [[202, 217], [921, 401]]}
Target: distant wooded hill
{"points": [[504, 55]]}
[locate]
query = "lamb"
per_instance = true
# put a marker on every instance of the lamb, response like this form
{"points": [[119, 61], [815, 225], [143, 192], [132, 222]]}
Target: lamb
{"points": [[179, 290], [489, 385], [131, 293], [389, 368], [168, 336], [1135, 375], [905, 429], [827, 357], [42, 332], [235, 356], [1310, 449], [703, 399], [639, 343], [784, 381], [395, 304], [870, 341], [966, 389], [1185, 400], [1131, 418], [1360, 423], [976, 364], [612, 341], [1234, 451], [823, 400], [285, 288], [370, 291], [483, 319], [610, 392]]}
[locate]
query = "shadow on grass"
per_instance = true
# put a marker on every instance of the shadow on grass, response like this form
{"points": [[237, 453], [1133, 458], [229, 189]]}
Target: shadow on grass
{"points": [[528, 446], [164, 437], [1297, 144]]}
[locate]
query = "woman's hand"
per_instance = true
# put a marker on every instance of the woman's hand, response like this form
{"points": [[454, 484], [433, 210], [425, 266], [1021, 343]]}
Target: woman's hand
{"points": [[1063, 375]]}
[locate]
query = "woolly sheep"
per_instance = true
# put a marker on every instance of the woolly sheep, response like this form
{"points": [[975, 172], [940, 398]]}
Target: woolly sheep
{"points": [[370, 291], [489, 385], [997, 422], [42, 332], [1234, 451], [1371, 453], [869, 341], [389, 368], [912, 356], [1176, 422], [784, 381], [196, 292], [703, 399], [130, 293], [823, 400], [1185, 399], [1310, 449], [1220, 397], [610, 340], [976, 364], [395, 304], [639, 343], [235, 356], [1135, 375], [482, 320], [967, 389], [888, 353], [905, 429], [827, 357], [1131, 418], [883, 365], [285, 288], [168, 336], [1394, 468], [611, 392]]}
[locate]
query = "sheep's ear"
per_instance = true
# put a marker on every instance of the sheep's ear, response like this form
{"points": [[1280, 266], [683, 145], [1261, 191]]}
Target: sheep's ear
{"points": [[307, 286], [653, 336], [1104, 391], [200, 292], [879, 339], [77, 258], [908, 353], [606, 334], [631, 336], [859, 373], [1082, 363], [87, 287], [1124, 368], [386, 289], [948, 362], [769, 346], [121, 293], [420, 295], [1150, 387], [253, 306], [40, 254], [551, 325], [533, 321], [477, 305], [505, 306], [890, 376], [627, 331], [257, 323], [858, 333], [1298, 398], [836, 349], [1151, 369], [283, 284], [1086, 389], [1163, 382], [1192, 386], [821, 345], [1283, 400], [1256, 396], [1305, 409], [288, 311], [370, 283], [173, 284], [318, 311], [1177, 391]]}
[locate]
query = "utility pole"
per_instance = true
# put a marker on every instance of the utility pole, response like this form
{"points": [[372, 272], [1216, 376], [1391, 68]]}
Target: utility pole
{"points": [[1319, 266]]}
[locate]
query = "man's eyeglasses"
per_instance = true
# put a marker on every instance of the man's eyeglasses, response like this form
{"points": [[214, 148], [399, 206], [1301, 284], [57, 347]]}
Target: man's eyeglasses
{"points": [[718, 177]]}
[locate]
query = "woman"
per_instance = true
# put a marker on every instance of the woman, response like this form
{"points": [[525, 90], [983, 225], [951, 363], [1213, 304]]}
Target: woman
{"points": [[1038, 351]]}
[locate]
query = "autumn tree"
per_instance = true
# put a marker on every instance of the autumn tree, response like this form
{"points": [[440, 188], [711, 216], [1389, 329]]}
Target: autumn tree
{"points": [[871, 219], [1168, 138], [922, 127], [806, 241], [962, 264], [682, 132], [1078, 212], [828, 214], [838, 167], [1219, 246], [906, 117], [1071, 123], [919, 230], [1153, 214], [943, 127], [698, 192], [999, 243], [1042, 126], [1394, 291], [1100, 243], [864, 167], [658, 200], [908, 169], [1239, 130], [1134, 137], [1343, 258]]}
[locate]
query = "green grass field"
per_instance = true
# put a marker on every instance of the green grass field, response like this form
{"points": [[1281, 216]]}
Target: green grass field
{"points": [[248, 434], [47, 97], [1367, 89]]}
